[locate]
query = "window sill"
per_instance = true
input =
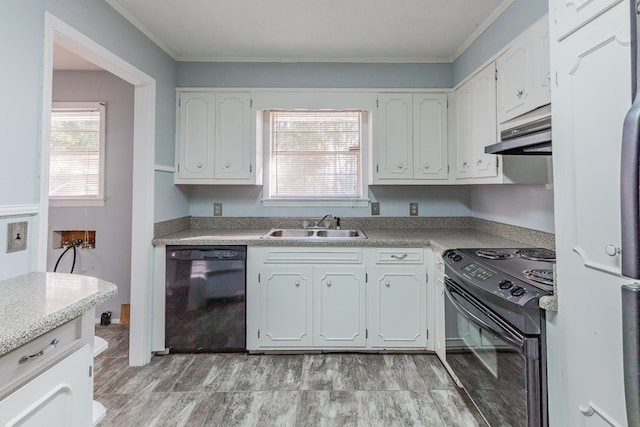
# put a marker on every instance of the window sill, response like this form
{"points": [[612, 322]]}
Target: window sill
{"points": [[76, 203], [349, 203]]}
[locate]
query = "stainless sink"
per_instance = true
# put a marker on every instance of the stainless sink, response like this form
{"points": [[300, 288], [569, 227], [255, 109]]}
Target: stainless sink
{"points": [[307, 234]]}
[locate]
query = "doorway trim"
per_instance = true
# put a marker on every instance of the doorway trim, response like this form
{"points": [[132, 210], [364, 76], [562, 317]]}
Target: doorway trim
{"points": [[142, 213]]}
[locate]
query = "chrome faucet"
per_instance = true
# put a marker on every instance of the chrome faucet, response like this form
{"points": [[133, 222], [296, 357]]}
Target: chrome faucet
{"points": [[318, 223]]}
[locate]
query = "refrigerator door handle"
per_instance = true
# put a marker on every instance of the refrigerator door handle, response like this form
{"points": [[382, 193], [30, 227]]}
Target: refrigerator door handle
{"points": [[629, 182], [631, 351]]}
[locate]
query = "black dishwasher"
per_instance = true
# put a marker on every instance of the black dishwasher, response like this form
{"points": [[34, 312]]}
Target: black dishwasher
{"points": [[205, 299]]}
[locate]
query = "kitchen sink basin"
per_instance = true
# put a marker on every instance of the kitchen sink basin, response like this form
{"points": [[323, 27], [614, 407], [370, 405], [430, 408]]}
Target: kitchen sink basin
{"points": [[319, 234]]}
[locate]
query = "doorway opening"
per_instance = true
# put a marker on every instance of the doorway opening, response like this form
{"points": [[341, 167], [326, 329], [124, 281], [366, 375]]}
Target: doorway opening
{"points": [[58, 33]]}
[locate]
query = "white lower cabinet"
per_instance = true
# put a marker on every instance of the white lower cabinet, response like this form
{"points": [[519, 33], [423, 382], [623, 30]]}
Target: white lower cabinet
{"points": [[336, 298], [61, 395], [339, 313], [285, 306]]}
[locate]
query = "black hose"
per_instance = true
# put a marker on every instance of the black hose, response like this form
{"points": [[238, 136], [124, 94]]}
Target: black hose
{"points": [[73, 264]]}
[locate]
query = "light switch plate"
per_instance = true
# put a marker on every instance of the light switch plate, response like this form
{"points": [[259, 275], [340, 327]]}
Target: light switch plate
{"points": [[413, 209], [375, 208], [16, 236], [217, 209]]}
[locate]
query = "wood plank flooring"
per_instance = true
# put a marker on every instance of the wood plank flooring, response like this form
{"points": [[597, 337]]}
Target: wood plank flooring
{"points": [[276, 390]]}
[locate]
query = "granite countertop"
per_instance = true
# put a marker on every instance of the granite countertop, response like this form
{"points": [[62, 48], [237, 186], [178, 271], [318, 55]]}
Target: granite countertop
{"points": [[35, 303], [438, 238]]}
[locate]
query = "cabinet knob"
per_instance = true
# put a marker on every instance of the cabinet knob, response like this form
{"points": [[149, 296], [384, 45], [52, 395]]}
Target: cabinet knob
{"points": [[399, 165], [328, 284], [387, 284], [297, 283], [199, 165], [426, 166], [226, 165], [478, 162], [464, 164], [519, 93], [612, 250]]}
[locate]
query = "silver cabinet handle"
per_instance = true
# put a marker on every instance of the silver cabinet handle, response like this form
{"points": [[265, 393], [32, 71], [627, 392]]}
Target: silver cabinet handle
{"points": [[399, 165], [519, 93], [464, 164], [51, 346], [227, 165], [297, 283], [328, 284], [478, 162], [387, 284], [426, 166], [612, 250], [403, 256], [199, 165]]}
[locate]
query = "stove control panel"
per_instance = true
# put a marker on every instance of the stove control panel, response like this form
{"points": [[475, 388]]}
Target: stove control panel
{"points": [[481, 276]]}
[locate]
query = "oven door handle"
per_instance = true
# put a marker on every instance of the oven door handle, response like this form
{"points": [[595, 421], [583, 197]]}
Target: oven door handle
{"points": [[503, 334]]}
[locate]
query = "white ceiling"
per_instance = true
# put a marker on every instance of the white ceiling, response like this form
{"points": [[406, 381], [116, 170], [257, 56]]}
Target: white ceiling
{"points": [[312, 30]]}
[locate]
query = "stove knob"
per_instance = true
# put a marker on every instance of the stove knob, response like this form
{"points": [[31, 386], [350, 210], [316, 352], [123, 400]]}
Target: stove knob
{"points": [[517, 291], [505, 284], [451, 254], [457, 258]]}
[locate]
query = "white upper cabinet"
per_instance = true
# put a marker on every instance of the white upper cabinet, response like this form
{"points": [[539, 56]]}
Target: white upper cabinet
{"points": [[475, 125], [196, 135], [394, 137], [569, 15], [523, 73], [233, 159], [430, 136], [410, 145], [215, 145]]}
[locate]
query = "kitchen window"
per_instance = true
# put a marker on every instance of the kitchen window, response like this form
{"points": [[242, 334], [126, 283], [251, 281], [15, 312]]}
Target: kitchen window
{"points": [[76, 154], [315, 155]]}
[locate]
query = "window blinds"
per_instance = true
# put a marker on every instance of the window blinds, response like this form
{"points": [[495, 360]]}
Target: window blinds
{"points": [[315, 154], [75, 149]]}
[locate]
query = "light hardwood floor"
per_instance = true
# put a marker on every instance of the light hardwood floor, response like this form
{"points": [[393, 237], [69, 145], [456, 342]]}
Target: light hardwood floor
{"points": [[345, 389]]}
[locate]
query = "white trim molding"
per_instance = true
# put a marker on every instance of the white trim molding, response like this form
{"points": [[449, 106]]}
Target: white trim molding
{"points": [[19, 210]]}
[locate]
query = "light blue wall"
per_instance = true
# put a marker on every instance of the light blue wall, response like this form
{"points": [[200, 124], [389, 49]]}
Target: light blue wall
{"points": [[515, 19], [313, 75], [434, 201], [21, 77]]}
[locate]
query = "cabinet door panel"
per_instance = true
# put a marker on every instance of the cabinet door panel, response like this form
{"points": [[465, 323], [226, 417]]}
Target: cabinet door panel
{"points": [[430, 136], [233, 141], [197, 118], [514, 80], [339, 308], [394, 136], [285, 311], [483, 123], [398, 308], [570, 15], [61, 396], [591, 128], [462, 104]]}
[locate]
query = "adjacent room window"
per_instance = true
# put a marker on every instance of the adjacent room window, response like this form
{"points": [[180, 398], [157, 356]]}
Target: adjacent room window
{"points": [[315, 154], [76, 153]]}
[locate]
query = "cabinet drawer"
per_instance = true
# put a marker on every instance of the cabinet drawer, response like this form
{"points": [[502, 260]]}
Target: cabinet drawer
{"points": [[399, 256], [313, 255], [13, 373]]}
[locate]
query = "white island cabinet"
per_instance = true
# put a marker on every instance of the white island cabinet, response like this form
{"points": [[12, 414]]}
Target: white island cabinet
{"points": [[46, 349]]}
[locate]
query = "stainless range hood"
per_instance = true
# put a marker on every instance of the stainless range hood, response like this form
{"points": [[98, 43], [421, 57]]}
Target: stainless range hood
{"points": [[532, 138]]}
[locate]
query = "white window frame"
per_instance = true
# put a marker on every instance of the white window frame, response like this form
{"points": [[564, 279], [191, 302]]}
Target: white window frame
{"points": [[263, 102], [77, 201]]}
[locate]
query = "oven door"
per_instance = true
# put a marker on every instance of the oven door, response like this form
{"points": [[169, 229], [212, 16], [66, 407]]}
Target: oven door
{"points": [[499, 367]]}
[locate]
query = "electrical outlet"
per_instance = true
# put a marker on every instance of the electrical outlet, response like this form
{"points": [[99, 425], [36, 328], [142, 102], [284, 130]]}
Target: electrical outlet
{"points": [[375, 208], [413, 209], [217, 209], [16, 236]]}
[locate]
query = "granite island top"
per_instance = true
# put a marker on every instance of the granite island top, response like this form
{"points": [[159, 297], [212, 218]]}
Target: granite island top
{"points": [[35, 303]]}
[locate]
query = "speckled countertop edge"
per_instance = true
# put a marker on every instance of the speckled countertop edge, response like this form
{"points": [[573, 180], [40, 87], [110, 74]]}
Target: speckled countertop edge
{"points": [[23, 327]]}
